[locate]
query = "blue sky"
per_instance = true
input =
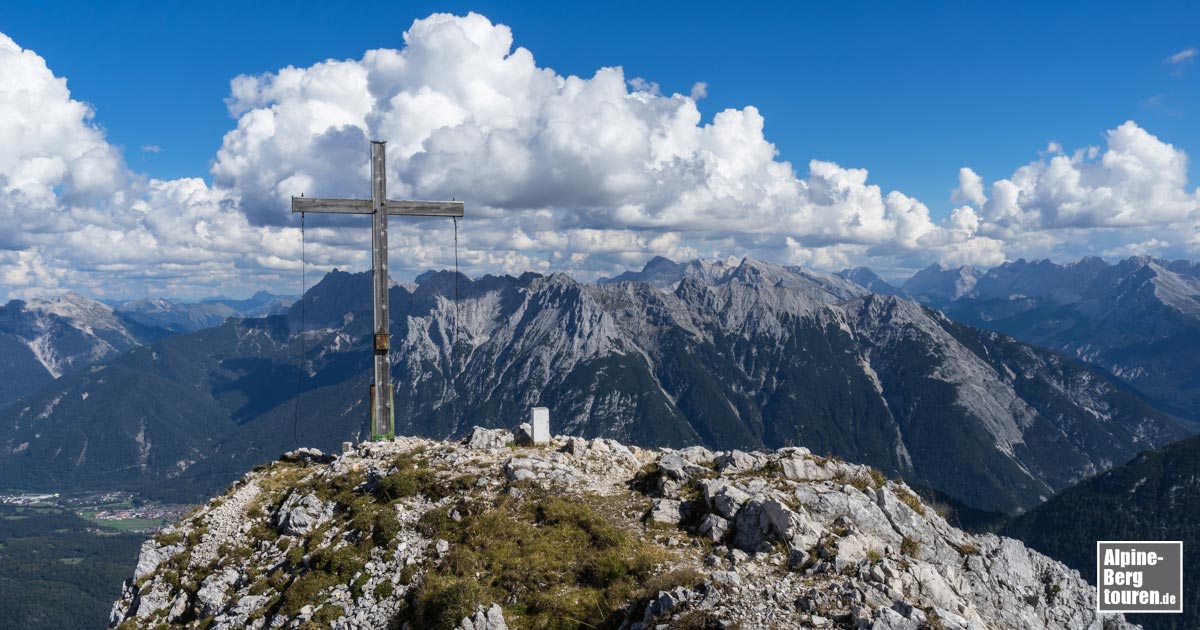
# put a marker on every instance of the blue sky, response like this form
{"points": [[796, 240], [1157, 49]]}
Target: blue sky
{"points": [[1015, 92], [910, 93]]}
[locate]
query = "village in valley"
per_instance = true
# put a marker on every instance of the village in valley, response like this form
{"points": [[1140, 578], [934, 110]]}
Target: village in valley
{"points": [[108, 511]]}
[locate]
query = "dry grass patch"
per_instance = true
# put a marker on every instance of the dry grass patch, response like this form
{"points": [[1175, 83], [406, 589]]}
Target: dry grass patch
{"points": [[552, 562]]}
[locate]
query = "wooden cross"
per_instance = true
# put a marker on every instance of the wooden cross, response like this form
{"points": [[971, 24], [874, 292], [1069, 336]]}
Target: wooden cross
{"points": [[383, 423]]}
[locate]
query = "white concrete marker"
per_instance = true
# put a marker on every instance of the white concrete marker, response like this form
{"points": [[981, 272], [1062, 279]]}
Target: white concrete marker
{"points": [[539, 417]]}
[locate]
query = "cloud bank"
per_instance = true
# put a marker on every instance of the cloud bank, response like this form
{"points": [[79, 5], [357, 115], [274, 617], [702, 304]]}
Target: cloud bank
{"points": [[584, 174]]}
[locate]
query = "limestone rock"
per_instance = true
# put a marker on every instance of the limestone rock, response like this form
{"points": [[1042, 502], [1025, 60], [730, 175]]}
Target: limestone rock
{"points": [[151, 556], [482, 438], [490, 619], [665, 511], [212, 596], [299, 515], [676, 467], [713, 527], [306, 456], [723, 497], [763, 539], [524, 434], [739, 462]]}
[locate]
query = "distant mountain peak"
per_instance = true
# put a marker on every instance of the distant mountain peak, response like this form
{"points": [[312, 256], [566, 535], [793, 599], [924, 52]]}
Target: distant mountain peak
{"points": [[659, 271], [658, 261], [938, 283], [871, 281], [738, 354]]}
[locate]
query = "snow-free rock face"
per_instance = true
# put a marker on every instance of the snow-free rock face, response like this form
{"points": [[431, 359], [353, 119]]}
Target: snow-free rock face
{"points": [[871, 281], [1138, 319], [587, 533]]}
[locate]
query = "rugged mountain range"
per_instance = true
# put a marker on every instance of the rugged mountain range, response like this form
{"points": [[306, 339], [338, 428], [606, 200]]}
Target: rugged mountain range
{"points": [[1156, 496], [659, 271], [46, 338], [1138, 319], [192, 316], [734, 355], [176, 317]]}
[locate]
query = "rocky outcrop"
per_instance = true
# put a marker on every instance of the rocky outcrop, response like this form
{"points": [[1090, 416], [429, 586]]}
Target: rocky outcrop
{"points": [[419, 533]]}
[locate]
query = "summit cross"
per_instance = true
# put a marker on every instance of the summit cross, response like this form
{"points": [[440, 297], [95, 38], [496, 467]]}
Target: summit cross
{"points": [[383, 424]]}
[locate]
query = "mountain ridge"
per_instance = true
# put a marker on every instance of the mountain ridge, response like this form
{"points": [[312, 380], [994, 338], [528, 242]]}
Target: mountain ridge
{"points": [[1138, 318], [735, 355]]}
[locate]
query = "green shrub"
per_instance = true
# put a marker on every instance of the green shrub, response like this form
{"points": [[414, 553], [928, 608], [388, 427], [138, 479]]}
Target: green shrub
{"points": [[323, 618], [167, 539], [303, 591], [384, 590], [443, 601], [385, 528]]}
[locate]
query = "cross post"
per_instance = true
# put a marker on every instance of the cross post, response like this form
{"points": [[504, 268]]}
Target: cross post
{"points": [[383, 423]]}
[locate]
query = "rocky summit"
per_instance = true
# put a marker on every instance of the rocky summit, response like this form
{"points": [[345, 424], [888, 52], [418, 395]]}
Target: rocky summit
{"points": [[489, 534]]}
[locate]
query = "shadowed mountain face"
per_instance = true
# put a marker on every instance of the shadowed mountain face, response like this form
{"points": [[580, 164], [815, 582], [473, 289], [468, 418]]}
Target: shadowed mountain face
{"points": [[1138, 319], [1153, 497], [734, 355]]}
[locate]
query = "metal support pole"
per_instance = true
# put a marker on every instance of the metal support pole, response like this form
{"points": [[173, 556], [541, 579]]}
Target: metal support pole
{"points": [[381, 409]]}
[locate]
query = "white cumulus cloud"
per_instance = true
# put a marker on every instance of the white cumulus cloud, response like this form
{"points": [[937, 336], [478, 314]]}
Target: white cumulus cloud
{"points": [[586, 174], [468, 115], [1128, 197]]}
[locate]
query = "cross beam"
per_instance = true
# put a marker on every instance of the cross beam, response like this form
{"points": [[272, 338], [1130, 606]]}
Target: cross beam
{"points": [[383, 423], [365, 206]]}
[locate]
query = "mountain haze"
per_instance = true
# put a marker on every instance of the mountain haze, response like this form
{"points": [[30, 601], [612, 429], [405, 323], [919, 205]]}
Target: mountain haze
{"points": [[191, 316]]}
